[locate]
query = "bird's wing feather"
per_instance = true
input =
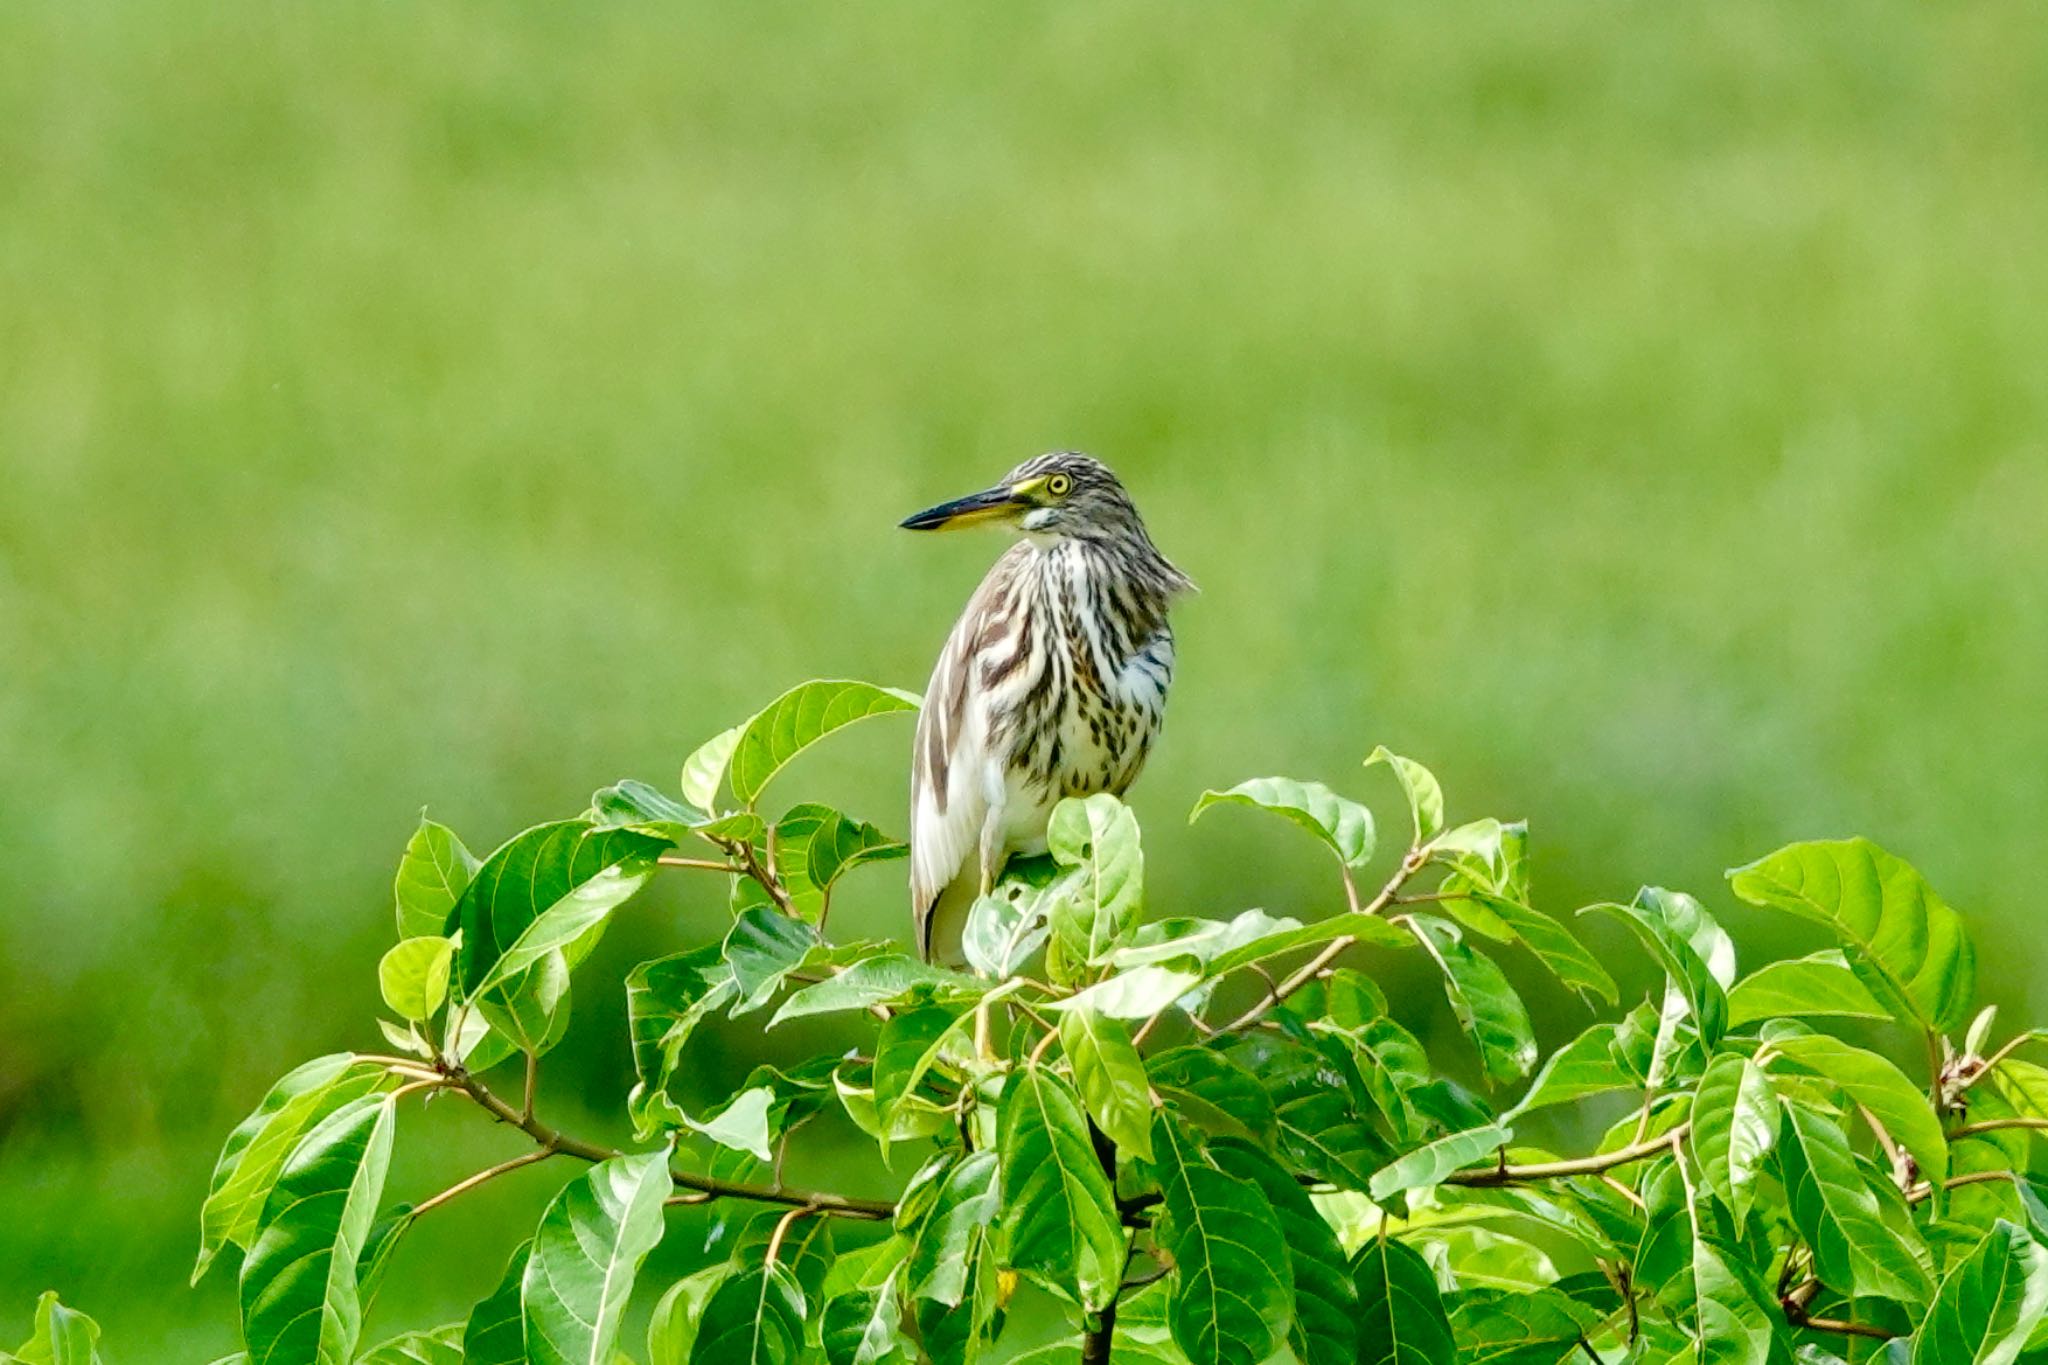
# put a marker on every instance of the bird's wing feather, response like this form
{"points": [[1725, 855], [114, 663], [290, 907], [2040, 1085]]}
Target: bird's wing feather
{"points": [[948, 794]]}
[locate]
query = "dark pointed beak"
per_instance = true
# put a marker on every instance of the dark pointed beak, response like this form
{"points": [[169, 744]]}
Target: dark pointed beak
{"points": [[988, 505]]}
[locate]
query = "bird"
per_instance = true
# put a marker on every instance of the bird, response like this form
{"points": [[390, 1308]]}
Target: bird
{"points": [[1053, 682]]}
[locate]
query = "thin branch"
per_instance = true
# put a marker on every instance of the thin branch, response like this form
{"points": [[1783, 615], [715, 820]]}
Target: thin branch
{"points": [[1994, 1125], [782, 1230], [1901, 1164], [1562, 1170], [1412, 862], [818, 1201], [704, 864], [1956, 1182], [1990, 1064], [464, 1186]]}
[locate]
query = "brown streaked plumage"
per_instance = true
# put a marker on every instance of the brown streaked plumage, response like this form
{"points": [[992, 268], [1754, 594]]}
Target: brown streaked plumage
{"points": [[1053, 682]]}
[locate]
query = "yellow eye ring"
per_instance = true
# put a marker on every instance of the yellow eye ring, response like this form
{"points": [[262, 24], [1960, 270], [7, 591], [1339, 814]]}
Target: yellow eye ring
{"points": [[1059, 485]]}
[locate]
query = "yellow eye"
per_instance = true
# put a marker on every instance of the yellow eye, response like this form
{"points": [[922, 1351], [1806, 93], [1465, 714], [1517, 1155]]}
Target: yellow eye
{"points": [[1059, 485]]}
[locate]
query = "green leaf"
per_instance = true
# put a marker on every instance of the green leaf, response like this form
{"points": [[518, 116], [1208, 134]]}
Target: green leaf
{"points": [[299, 1296], [1342, 825], [541, 892], [1419, 785], [885, 980], [1584, 1066], [62, 1336], [1111, 1078], [796, 720], [1057, 1205], [1684, 941], [414, 976], [1365, 928], [741, 1123], [586, 1254], [256, 1150], [1213, 1092], [1097, 836], [1555, 946], [914, 1117], [704, 770], [431, 876], [1900, 938], [754, 1318], [840, 844], [1324, 1136], [1989, 1304], [1487, 1007], [909, 1044], [1232, 1300], [672, 1326], [1325, 1298], [442, 1346], [1004, 929], [865, 1327], [1430, 1163], [762, 947], [1808, 987], [1734, 1327], [1837, 1213], [1873, 1082], [1138, 993], [1734, 1126], [496, 1332], [1401, 1315], [946, 1237], [1542, 1327], [665, 1001]]}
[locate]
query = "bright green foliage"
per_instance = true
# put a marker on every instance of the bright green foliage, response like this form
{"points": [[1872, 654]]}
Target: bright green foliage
{"points": [[1207, 1140], [62, 1336]]}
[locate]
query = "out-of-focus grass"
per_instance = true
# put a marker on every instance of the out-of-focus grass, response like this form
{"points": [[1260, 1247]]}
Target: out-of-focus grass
{"points": [[1637, 415]]}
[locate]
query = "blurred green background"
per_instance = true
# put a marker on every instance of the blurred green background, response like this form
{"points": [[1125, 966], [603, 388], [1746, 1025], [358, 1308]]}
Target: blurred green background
{"points": [[1636, 413]]}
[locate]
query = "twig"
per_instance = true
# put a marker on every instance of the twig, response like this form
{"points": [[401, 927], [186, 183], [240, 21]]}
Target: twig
{"points": [[818, 1201], [1902, 1165], [463, 1186], [1994, 1125], [1955, 1182], [705, 864], [782, 1230], [1560, 1170]]}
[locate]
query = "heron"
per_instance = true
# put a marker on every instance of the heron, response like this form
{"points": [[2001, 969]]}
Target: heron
{"points": [[1053, 683]]}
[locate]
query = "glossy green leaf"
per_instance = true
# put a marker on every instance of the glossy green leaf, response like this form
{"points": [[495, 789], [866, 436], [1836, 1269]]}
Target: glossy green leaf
{"points": [[1365, 928], [1325, 1328], [840, 844], [1873, 1082], [754, 1318], [865, 1327], [1584, 1066], [1498, 1327], [541, 892], [61, 1336], [1340, 824], [431, 876], [1900, 938], [704, 769], [256, 1150], [1057, 1206], [665, 1001], [1232, 1301], [300, 1299], [672, 1326], [1430, 1163], [1419, 785], [1401, 1314], [1324, 1136], [441, 1346], [1553, 945], [1814, 986], [946, 1237], [496, 1331], [1138, 993], [908, 1045], [741, 1123], [796, 720], [1486, 1007], [763, 947], [1004, 929], [1111, 1078], [1989, 1304], [413, 976], [1734, 1127], [914, 1116], [889, 979], [1097, 836], [586, 1254], [1682, 939], [1837, 1213], [1733, 1325], [1213, 1092]]}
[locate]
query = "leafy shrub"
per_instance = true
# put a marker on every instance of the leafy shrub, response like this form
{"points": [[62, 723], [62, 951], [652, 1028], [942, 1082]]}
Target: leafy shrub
{"points": [[1205, 1140]]}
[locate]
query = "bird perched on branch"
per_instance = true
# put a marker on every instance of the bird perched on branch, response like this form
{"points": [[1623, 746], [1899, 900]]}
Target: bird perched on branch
{"points": [[1053, 682]]}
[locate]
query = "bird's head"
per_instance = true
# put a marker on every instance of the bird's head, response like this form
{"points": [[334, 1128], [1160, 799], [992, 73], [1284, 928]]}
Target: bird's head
{"points": [[1047, 498]]}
